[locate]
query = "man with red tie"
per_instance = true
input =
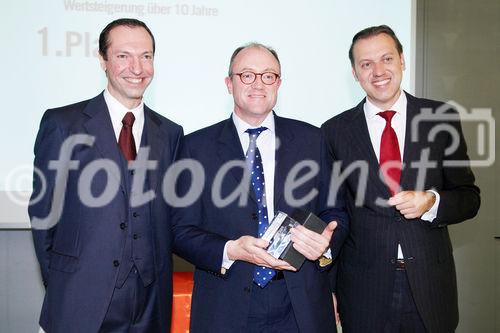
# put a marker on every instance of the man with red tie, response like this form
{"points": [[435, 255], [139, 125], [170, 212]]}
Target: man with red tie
{"points": [[104, 252], [396, 272]]}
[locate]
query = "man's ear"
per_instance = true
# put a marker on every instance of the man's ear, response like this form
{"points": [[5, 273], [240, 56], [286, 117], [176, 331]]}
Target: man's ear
{"points": [[354, 74], [103, 62], [278, 83], [229, 85], [403, 63]]}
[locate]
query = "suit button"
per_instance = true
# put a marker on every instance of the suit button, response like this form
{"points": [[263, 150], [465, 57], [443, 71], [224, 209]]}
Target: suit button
{"points": [[246, 289], [135, 236], [132, 172], [255, 216], [116, 263], [123, 226], [135, 214], [399, 219]]}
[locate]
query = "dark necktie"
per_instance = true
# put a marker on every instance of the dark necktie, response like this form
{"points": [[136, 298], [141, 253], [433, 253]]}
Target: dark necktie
{"points": [[126, 140], [262, 275], [389, 152]]}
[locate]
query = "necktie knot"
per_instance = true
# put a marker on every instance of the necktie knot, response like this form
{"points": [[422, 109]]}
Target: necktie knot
{"points": [[387, 115], [128, 119], [255, 132]]}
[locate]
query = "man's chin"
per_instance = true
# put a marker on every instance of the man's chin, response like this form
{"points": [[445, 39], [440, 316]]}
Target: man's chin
{"points": [[135, 94], [260, 112], [385, 97]]}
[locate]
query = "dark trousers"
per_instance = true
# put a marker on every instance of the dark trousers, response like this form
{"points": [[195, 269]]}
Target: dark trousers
{"points": [[271, 310], [404, 317], [133, 308]]}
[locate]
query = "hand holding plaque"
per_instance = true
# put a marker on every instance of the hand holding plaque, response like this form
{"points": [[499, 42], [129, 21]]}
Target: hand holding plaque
{"points": [[279, 236]]}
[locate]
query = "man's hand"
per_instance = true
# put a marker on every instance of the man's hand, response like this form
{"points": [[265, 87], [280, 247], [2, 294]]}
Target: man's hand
{"points": [[252, 250], [413, 204], [311, 244]]}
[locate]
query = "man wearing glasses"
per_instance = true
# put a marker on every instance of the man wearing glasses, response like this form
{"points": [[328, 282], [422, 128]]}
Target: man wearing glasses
{"points": [[239, 287]]}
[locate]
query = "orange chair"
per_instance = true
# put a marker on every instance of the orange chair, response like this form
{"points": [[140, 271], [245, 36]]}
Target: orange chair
{"points": [[181, 305]]}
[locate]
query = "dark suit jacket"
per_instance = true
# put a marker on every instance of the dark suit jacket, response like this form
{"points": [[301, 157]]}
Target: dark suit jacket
{"points": [[366, 268], [221, 303], [77, 256]]}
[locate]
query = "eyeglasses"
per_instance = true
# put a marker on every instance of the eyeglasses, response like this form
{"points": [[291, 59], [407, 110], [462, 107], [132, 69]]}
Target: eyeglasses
{"points": [[267, 78]]}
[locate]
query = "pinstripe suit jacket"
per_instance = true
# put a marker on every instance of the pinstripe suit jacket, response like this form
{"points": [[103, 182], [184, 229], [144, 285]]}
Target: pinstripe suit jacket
{"points": [[366, 268]]}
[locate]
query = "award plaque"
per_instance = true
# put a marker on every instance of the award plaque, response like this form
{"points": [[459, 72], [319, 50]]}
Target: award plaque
{"points": [[278, 235]]}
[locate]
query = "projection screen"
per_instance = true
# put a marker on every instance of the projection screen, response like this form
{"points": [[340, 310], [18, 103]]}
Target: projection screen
{"points": [[50, 47]]}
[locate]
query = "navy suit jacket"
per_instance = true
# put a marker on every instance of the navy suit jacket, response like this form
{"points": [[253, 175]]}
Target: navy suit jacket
{"points": [[366, 268], [220, 303], [79, 254]]}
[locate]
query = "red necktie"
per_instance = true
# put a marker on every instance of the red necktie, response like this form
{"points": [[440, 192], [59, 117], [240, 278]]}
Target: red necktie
{"points": [[126, 140], [389, 152]]}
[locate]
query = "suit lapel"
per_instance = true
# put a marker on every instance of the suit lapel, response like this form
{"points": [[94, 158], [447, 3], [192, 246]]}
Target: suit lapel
{"points": [[360, 137], [229, 149], [156, 142], [284, 158], [99, 125], [411, 149]]}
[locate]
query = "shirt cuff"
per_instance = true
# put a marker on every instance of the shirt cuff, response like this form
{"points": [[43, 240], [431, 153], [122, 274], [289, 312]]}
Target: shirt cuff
{"points": [[226, 262], [328, 253], [431, 214]]}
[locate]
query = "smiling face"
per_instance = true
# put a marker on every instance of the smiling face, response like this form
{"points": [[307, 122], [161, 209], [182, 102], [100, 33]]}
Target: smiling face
{"points": [[253, 102], [128, 64], [379, 67]]}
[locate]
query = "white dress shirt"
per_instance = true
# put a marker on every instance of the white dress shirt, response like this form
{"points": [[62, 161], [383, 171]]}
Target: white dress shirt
{"points": [[117, 111], [376, 126], [266, 142]]}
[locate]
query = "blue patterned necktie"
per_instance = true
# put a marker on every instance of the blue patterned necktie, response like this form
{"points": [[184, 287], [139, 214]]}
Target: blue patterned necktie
{"points": [[261, 275]]}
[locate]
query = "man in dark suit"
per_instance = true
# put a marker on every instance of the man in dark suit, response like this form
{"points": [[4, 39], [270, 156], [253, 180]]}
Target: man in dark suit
{"points": [[103, 243], [396, 271], [238, 287]]}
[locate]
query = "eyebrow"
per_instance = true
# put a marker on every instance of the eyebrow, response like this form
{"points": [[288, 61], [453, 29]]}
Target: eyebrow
{"points": [[382, 56], [388, 53], [131, 53]]}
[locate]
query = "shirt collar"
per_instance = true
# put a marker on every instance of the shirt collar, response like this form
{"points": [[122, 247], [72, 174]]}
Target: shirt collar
{"points": [[242, 126], [399, 106], [117, 110]]}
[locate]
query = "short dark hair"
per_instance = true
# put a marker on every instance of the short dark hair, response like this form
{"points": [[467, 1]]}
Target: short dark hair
{"points": [[371, 32], [248, 46], [128, 22]]}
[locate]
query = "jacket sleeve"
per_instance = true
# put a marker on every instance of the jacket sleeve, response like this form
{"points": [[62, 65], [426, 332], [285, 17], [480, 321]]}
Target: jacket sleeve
{"points": [[459, 196], [200, 247], [332, 202], [47, 146]]}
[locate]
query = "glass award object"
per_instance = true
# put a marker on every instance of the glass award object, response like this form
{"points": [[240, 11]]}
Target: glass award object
{"points": [[278, 234]]}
